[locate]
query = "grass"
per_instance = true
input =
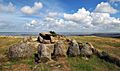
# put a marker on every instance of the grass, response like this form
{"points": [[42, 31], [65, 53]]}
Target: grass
{"points": [[5, 42], [110, 45], [93, 64]]}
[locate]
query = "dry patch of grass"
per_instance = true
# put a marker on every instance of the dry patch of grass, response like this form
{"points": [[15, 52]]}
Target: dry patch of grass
{"points": [[5, 42]]}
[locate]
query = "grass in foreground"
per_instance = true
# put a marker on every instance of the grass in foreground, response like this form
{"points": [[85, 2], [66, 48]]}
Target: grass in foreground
{"points": [[93, 64]]}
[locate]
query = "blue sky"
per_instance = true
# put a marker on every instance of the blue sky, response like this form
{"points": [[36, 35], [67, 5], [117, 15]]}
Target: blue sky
{"points": [[60, 15]]}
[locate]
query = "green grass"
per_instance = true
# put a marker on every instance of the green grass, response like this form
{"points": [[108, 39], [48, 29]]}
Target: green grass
{"points": [[110, 45], [93, 64]]}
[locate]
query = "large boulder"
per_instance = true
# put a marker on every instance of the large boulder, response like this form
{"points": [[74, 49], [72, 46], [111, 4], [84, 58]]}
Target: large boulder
{"points": [[45, 35], [44, 53], [59, 49], [86, 50], [21, 50], [73, 49]]}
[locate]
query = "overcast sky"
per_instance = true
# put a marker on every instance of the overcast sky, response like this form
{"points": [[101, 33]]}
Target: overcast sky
{"points": [[60, 15]]}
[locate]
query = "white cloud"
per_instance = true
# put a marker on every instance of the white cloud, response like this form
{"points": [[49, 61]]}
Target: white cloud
{"points": [[53, 14], [114, 1], [105, 7], [93, 21], [82, 16], [10, 8], [31, 24], [32, 10]]}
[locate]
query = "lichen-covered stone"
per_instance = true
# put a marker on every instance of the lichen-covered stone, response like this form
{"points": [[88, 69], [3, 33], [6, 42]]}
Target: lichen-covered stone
{"points": [[44, 53], [86, 50], [21, 50], [59, 49], [73, 49]]}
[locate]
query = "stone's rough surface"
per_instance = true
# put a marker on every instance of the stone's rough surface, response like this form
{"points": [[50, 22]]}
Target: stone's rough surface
{"points": [[46, 41], [52, 39], [73, 49], [44, 53], [21, 50], [40, 39], [86, 50], [59, 49]]}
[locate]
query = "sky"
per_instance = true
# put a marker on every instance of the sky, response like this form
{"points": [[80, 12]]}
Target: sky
{"points": [[60, 15]]}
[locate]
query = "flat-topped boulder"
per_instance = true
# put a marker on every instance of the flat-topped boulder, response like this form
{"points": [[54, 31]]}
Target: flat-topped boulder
{"points": [[46, 38]]}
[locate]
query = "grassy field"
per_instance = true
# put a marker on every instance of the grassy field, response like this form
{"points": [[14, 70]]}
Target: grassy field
{"points": [[111, 45]]}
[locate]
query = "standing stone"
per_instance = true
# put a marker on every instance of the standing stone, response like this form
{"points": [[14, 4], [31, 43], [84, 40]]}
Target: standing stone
{"points": [[59, 49], [73, 49], [86, 50], [20, 50], [44, 53]]}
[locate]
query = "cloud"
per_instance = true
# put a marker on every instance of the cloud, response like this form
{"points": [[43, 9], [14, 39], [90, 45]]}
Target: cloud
{"points": [[105, 7], [93, 21], [32, 23], [32, 10], [10, 8], [82, 20], [114, 1], [53, 14], [82, 16]]}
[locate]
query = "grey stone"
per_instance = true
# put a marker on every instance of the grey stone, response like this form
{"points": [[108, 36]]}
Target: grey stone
{"points": [[20, 50], [73, 49], [44, 53], [86, 50], [59, 49]]}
